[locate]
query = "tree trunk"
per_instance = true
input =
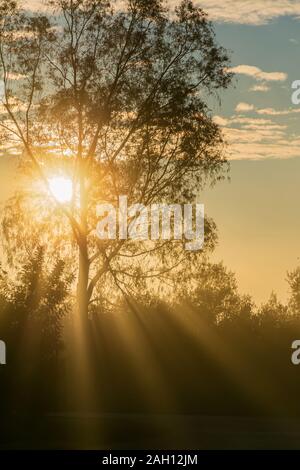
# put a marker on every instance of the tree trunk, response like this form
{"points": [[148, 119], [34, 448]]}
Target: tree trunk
{"points": [[84, 264], [82, 288]]}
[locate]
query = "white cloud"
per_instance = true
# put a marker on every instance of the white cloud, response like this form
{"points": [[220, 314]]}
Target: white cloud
{"points": [[244, 108], [260, 88], [258, 74], [268, 127], [253, 138], [247, 121], [260, 143], [221, 121], [241, 150], [274, 112], [35, 5], [254, 12]]}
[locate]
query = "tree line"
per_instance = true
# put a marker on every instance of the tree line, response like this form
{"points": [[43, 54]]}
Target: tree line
{"points": [[206, 349]]}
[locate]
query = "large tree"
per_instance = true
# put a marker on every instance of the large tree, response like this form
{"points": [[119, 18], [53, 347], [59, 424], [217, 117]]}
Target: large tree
{"points": [[116, 99]]}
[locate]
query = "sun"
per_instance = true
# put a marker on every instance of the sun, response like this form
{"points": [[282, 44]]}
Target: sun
{"points": [[61, 188]]}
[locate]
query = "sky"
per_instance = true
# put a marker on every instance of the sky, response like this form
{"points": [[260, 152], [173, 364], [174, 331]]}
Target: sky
{"points": [[257, 211]]}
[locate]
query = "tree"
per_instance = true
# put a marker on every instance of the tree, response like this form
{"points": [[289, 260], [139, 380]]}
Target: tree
{"points": [[293, 279], [36, 301], [273, 313], [116, 100], [214, 293]]}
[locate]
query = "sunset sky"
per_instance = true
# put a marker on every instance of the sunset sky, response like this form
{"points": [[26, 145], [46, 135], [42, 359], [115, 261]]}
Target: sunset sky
{"points": [[257, 212]]}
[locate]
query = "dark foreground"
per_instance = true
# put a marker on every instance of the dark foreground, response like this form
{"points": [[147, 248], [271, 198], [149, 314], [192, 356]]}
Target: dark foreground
{"points": [[121, 431]]}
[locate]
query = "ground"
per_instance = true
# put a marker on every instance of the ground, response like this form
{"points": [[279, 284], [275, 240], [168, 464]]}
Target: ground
{"points": [[135, 431]]}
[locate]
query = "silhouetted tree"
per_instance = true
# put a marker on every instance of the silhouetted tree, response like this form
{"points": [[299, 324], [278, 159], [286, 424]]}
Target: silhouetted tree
{"points": [[117, 99], [36, 302], [273, 313], [213, 291], [293, 279]]}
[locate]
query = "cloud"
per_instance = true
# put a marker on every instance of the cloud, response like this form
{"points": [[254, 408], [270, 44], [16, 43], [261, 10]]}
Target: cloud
{"points": [[35, 5], [241, 150], [221, 121], [244, 108], [262, 142], [266, 128], [255, 138], [260, 88], [258, 74], [240, 120], [255, 12], [247, 121], [274, 112]]}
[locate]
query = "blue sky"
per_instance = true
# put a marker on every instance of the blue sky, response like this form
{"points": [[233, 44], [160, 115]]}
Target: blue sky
{"points": [[272, 49], [257, 212]]}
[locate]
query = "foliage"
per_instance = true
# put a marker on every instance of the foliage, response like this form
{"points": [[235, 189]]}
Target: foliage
{"points": [[36, 302], [117, 100]]}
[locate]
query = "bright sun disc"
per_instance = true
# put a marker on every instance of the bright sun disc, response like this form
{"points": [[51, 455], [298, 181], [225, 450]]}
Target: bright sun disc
{"points": [[61, 188]]}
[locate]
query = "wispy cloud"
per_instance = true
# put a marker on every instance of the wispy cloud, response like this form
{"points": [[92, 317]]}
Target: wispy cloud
{"points": [[275, 112], [254, 138], [244, 107], [254, 12], [35, 5], [261, 142], [258, 74], [261, 88], [221, 121]]}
